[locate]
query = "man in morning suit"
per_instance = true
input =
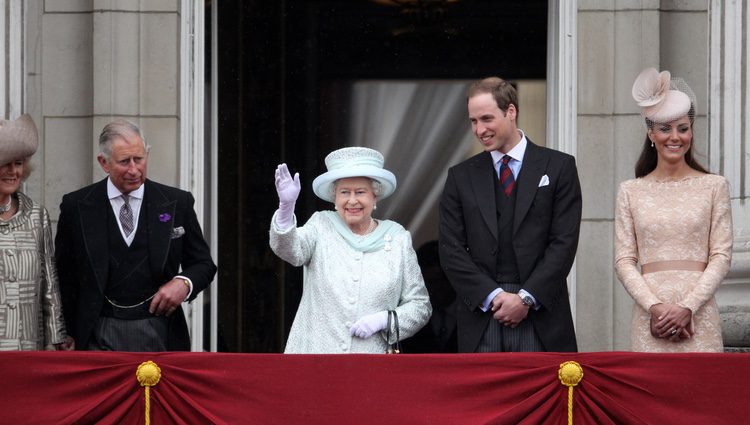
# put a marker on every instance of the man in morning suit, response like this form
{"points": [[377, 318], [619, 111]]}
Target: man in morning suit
{"points": [[509, 223], [129, 252]]}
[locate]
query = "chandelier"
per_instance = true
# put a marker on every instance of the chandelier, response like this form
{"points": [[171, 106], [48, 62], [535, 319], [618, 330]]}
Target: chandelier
{"points": [[421, 13]]}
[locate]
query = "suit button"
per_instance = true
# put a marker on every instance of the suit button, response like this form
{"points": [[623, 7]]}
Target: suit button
{"points": [[494, 251]]}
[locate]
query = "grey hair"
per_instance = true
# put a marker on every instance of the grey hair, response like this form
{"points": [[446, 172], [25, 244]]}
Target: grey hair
{"points": [[118, 128], [377, 187]]}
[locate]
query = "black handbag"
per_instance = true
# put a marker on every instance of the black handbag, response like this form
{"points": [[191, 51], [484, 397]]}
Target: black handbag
{"points": [[394, 348]]}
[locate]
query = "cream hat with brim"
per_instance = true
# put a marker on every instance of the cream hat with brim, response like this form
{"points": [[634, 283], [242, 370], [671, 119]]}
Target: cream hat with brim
{"points": [[18, 139], [353, 162]]}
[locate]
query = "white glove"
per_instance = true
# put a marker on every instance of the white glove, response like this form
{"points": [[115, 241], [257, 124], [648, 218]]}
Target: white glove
{"points": [[368, 325], [288, 191]]}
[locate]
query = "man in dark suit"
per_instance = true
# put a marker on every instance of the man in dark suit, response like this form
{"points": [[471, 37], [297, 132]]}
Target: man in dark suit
{"points": [[509, 223], [129, 252]]}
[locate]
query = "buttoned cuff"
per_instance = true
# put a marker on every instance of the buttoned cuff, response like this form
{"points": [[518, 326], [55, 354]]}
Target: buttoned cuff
{"points": [[488, 301]]}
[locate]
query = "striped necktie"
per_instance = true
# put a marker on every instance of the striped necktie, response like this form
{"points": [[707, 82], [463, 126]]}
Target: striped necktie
{"points": [[126, 216], [507, 182]]}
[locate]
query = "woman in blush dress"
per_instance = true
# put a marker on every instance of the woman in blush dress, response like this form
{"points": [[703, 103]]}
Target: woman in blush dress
{"points": [[674, 219]]}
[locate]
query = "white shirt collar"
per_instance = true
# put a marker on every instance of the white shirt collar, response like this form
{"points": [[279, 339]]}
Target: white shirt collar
{"points": [[516, 153], [114, 192]]}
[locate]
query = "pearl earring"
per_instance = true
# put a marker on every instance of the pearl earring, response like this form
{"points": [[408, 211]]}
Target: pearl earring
{"points": [[375, 206], [652, 144]]}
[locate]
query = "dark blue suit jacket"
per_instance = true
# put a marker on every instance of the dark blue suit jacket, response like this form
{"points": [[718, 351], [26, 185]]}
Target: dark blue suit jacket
{"points": [[82, 253], [546, 224]]}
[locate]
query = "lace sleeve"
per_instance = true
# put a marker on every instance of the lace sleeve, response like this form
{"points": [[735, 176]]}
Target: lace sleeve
{"points": [[719, 250], [626, 254]]}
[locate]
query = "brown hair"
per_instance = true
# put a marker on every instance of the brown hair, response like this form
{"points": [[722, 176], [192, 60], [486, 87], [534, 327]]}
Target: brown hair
{"points": [[502, 91], [647, 160]]}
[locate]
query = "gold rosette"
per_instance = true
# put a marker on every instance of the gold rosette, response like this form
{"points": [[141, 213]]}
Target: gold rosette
{"points": [[148, 374], [570, 374]]}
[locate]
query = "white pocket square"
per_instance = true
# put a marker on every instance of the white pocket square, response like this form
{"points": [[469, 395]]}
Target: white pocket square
{"points": [[177, 232], [544, 181]]}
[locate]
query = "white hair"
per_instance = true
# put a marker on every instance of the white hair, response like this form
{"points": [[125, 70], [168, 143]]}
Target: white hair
{"points": [[377, 187]]}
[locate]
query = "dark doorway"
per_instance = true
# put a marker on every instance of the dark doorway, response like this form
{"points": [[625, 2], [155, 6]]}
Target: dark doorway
{"points": [[280, 65]]}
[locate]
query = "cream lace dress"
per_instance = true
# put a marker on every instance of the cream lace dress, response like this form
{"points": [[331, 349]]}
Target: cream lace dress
{"points": [[689, 219]]}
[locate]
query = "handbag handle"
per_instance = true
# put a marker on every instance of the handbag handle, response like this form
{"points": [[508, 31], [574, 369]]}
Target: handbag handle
{"points": [[394, 348]]}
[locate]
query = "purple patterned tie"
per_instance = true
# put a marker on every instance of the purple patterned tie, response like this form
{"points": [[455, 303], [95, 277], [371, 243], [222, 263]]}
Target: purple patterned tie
{"points": [[126, 216], [507, 182]]}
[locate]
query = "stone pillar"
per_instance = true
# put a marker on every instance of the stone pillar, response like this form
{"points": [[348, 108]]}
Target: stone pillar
{"points": [[59, 97], [729, 142], [615, 42], [136, 47]]}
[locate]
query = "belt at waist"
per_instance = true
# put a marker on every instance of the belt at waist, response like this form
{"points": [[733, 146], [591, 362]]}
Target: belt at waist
{"points": [[662, 266]]}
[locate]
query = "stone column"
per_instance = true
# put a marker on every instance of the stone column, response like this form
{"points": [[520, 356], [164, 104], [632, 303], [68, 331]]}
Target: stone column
{"points": [[728, 147], [615, 42], [136, 47]]}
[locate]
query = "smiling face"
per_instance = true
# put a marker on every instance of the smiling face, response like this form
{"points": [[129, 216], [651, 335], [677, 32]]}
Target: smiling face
{"points": [[354, 200], [672, 140], [11, 176], [494, 128]]}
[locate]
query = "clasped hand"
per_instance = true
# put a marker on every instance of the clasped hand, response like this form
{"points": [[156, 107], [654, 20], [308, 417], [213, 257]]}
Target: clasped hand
{"points": [[508, 309], [671, 321]]}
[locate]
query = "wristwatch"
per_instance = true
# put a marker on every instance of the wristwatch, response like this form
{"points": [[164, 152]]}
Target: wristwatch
{"points": [[527, 300]]}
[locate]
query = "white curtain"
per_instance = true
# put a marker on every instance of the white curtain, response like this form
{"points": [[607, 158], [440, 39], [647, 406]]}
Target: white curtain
{"points": [[421, 128]]}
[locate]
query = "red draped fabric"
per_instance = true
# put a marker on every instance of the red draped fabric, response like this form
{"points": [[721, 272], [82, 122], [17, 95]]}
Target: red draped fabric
{"points": [[504, 388]]}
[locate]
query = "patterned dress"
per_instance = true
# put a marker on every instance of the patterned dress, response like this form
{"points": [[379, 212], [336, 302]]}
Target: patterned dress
{"points": [[30, 308], [342, 284], [689, 220]]}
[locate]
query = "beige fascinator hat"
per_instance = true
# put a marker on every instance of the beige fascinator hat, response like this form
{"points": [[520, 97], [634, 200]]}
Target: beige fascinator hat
{"points": [[18, 138], [353, 162], [662, 98]]}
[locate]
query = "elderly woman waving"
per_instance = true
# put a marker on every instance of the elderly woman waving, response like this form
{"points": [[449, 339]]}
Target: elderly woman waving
{"points": [[357, 268]]}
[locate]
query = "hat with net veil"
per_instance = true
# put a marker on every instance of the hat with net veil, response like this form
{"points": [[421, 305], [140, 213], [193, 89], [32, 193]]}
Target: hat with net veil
{"points": [[662, 98]]}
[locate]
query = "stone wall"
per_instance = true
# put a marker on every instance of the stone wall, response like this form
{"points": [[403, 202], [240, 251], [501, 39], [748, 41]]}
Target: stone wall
{"points": [[616, 40], [88, 61]]}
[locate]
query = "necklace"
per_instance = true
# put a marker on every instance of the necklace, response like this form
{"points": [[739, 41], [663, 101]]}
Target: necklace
{"points": [[5, 208], [369, 230]]}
